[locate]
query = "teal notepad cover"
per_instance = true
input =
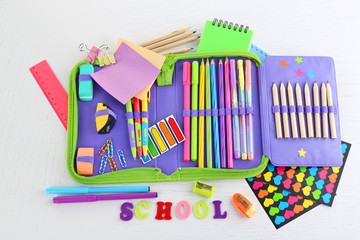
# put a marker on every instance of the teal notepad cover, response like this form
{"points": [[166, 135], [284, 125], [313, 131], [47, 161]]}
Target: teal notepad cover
{"points": [[219, 36]]}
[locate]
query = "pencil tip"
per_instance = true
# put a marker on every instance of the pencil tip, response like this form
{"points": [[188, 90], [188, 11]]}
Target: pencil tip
{"points": [[220, 61], [281, 82], [194, 31], [212, 61], [273, 82]]}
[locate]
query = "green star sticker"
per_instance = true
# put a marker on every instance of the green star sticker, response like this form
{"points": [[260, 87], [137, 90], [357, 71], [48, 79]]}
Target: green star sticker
{"points": [[298, 60]]}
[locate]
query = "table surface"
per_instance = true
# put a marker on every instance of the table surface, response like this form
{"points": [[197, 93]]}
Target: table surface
{"points": [[33, 141]]}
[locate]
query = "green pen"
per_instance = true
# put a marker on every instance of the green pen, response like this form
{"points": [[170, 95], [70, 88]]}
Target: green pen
{"points": [[194, 106], [208, 116], [131, 130]]}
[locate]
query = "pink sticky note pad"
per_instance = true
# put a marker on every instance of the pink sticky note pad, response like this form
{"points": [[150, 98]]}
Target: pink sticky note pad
{"points": [[128, 76]]}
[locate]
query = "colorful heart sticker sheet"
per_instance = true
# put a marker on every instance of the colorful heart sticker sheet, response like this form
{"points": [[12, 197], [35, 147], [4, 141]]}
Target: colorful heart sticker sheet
{"points": [[315, 183], [280, 205]]}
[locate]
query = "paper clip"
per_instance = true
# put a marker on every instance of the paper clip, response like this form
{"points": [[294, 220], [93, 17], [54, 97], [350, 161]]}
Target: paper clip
{"points": [[103, 164], [107, 59], [92, 53], [122, 159], [108, 145]]}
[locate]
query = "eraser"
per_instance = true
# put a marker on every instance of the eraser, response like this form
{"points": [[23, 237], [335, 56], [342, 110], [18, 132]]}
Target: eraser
{"points": [[85, 82], [85, 161]]}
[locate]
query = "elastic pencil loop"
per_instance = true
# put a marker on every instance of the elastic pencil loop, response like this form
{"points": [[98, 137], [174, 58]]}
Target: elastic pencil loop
{"points": [[105, 112], [221, 111], [228, 111], [145, 114], [186, 113], [308, 109], [85, 77], [316, 109], [194, 113], [241, 110], [201, 112], [235, 111], [129, 115], [87, 159], [292, 109], [275, 108], [208, 112], [249, 110], [331, 109], [284, 109], [215, 112], [300, 109], [324, 109], [137, 114]]}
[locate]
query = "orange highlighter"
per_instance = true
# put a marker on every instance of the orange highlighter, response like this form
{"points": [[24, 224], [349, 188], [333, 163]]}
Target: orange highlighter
{"points": [[244, 205]]}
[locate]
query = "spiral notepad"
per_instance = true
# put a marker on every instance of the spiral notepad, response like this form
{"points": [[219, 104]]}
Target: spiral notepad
{"points": [[219, 35]]}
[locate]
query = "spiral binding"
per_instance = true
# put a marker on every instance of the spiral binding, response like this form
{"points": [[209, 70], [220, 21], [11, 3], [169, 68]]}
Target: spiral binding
{"points": [[226, 24]]}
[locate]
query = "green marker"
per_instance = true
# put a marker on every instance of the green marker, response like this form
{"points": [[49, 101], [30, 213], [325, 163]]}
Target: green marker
{"points": [[131, 130], [208, 118], [194, 106]]}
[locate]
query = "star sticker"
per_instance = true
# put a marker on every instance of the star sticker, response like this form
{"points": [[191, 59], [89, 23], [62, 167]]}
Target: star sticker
{"points": [[311, 74], [283, 63], [298, 60], [302, 153], [299, 73]]}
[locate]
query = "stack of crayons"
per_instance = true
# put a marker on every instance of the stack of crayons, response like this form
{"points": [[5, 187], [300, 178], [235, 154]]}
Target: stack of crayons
{"points": [[138, 135], [218, 93], [326, 111]]}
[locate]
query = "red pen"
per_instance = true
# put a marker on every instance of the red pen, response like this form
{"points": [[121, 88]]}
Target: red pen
{"points": [[137, 125]]}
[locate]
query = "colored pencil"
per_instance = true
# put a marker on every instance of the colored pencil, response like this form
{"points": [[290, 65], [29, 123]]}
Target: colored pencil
{"points": [[208, 115], [145, 124], [170, 40], [222, 117], [186, 82], [331, 114], [249, 117], [194, 107], [175, 44], [229, 142], [131, 129], [137, 126], [215, 118], [234, 100], [177, 51], [243, 147], [201, 116], [316, 114], [293, 122], [277, 114], [166, 36], [324, 115], [308, 113], [284, 114], [300, 114]]}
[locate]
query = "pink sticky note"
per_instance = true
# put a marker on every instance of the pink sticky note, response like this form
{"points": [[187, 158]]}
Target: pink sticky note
{"points": [[129, 75]]}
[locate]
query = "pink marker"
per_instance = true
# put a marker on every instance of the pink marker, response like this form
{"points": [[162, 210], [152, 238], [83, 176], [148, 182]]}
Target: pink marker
{"points": [[187, 82], [228, 116]]}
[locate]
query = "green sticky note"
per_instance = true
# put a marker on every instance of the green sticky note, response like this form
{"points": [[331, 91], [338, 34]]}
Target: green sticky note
{"points": [[220, 37]]}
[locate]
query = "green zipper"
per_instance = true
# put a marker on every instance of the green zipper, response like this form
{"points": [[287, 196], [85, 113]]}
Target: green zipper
{"points": [[165, 77]]}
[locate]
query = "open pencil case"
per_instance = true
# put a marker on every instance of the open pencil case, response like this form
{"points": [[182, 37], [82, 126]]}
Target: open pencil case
{"points": [[167, 98]]}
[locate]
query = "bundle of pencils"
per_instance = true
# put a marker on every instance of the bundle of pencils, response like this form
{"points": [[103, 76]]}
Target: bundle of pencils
{"points": [[171, 40]]}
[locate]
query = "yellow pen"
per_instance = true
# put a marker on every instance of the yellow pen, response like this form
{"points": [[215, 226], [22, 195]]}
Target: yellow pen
{"points": [[201, 116]]}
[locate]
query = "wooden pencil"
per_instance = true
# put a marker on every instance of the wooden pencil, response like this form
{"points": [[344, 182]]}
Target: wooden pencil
{"points": [[277, 114], [331, 114], [316, 114], [292, 114], [177, 51], [170, 40], [300, 114], [176, 44], [310, 127], [324, 115], [284, 114], [166, 36]]}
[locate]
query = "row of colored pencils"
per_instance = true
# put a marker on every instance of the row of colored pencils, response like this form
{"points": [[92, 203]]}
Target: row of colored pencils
{"points": [[221, 89]]}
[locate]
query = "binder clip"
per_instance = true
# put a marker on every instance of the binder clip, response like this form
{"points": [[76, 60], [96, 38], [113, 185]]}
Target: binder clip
{"points": [[107, 59], [244, 205], [204, 189], [92, 53]]}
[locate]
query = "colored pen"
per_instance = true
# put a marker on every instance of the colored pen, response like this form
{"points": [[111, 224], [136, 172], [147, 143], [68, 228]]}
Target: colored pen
{"points": [[201, 116], [234, 101], [331, 114], [145, 124], [186, 82], [215, 118], [86, 190], [194, 106], [222, 117], [324, 115], [137, 126], [229, 142], [243, 147], [316, 114], [94, 198], [250, 125], [208, 116], [131, 130]]}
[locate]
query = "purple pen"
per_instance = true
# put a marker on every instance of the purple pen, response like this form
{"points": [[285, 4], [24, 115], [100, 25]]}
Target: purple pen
{"points": [[105, 197], [222, 115]]}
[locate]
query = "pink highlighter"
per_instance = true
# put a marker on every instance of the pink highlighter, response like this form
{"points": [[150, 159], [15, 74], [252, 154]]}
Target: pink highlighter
{"points": [[187, 82]]}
